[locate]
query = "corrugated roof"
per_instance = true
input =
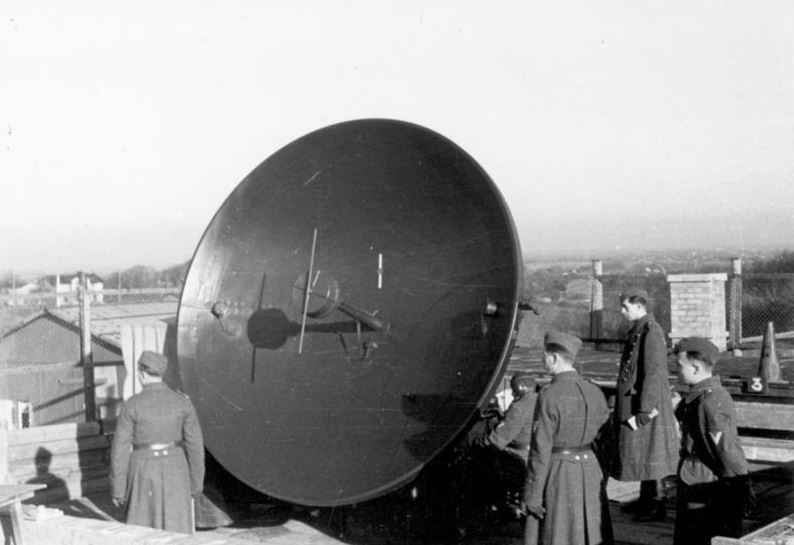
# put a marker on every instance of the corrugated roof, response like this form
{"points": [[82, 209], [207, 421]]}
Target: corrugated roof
{"points": [[106, 320], [108, 342]]}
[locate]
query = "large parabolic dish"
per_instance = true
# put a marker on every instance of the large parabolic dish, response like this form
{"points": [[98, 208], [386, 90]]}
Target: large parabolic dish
{"points": [[348, 309]]}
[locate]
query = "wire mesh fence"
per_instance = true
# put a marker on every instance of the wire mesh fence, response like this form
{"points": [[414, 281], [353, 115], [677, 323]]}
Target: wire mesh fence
{"points": [[767, 297], [589, 304], [614, 326]]}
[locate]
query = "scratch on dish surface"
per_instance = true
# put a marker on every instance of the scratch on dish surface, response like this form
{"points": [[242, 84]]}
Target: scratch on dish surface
{"points": [[313, 176], [226, 399], [454, 284]]}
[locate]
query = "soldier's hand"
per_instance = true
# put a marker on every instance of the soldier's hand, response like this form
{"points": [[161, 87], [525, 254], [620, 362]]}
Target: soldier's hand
{"points": [[643, 418], [118, 502], [537, 511]]}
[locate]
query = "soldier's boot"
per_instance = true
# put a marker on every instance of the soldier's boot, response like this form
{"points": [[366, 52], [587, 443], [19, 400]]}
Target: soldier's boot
{"points": [[651, 505], [647, 493]]}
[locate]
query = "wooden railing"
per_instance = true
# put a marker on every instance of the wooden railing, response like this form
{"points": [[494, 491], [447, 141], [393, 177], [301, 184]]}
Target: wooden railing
{"points": [[754, 418]]}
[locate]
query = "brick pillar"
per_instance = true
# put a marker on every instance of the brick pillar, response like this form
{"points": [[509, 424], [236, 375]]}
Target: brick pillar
{"points": [[697, 307]]}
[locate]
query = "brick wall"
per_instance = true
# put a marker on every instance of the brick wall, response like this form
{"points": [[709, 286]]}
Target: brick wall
{"points": [[697, 307]]}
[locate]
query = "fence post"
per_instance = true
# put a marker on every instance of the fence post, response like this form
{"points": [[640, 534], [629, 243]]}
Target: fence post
{"points": [[596, 302], [86, 358], [735, 306]]}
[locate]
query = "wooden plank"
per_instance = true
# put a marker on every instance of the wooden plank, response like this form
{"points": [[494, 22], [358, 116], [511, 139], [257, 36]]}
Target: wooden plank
{"points": [[55, 432], [768, 450], [765, 416], [780, 531], [74, 488], [9, 493], [56, 448], [63, 462], [75, 472], [721, 540], [68, 530], [70, 479]]}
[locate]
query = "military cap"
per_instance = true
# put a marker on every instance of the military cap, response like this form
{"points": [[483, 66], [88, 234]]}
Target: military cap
{"points": [[153, 363], [571, 343], [522, 378], [634, 292], [707, 349]]}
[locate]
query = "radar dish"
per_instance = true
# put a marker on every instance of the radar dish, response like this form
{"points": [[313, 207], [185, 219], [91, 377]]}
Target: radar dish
{"points": [[348, 309]]}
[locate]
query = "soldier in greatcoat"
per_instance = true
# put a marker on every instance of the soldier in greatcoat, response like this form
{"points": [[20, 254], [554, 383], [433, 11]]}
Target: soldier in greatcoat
{"points": [[713, 484], [157, 457], [507, 444], [644, 423], [563, 494]]}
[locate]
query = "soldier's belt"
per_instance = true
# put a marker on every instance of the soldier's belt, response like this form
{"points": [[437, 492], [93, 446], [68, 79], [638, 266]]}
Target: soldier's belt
{"points": [[156, 446], [571, 450]]}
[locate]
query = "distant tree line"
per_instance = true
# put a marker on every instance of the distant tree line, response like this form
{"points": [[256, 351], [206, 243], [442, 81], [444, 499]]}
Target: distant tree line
{"points": [[143, 276], [551, 282], [781, 263]]}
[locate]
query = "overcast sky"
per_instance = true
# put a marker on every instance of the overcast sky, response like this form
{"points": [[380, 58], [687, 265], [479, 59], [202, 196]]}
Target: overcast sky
{"points": [[621, 124]]}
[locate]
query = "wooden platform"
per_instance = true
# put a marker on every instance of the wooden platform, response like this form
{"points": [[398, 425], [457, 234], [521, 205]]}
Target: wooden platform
{"points": [[773, 486], [73, 530], [780, 532], [95, 522]]}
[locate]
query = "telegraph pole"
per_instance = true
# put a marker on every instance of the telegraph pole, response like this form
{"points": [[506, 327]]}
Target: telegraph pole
{"points": [[86, 357]]}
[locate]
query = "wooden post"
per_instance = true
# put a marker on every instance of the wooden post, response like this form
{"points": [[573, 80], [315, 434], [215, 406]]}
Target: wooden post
{"points": [[3, 452], [596, 302], [86, 358], [57, 283], [735, 306]]}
